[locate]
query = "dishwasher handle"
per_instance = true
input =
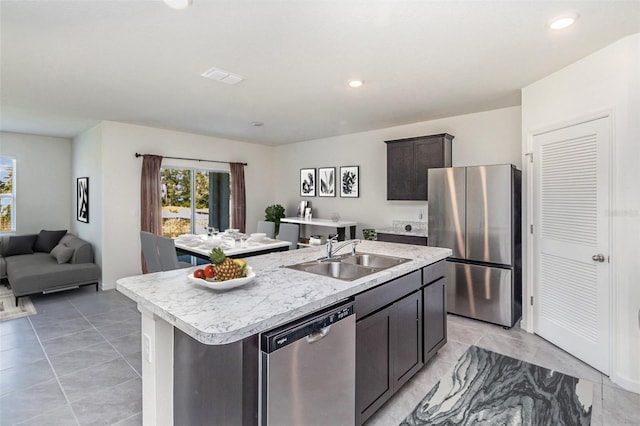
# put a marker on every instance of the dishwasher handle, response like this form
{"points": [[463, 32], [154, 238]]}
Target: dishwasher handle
{"points": [[318, 335], [312, 328]]}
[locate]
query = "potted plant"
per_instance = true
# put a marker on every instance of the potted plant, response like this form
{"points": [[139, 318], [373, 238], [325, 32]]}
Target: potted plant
{"points": [[274, 213]]}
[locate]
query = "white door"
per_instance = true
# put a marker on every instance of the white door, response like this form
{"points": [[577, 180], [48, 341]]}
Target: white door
{"points": [[571, 240]]}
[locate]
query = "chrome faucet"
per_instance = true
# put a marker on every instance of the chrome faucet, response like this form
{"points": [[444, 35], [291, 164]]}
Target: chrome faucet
{"points": [[332, 250]]}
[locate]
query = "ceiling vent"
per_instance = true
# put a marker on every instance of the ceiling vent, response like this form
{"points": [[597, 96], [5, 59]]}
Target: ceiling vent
{"points": [[222, 76]]}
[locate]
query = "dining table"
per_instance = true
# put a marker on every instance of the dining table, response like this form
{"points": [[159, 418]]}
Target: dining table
{"points": [[200, 246]]}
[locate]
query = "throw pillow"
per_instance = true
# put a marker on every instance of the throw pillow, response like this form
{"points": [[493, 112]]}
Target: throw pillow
{"points": [[47, 240], [62, 253], [22, 244]]}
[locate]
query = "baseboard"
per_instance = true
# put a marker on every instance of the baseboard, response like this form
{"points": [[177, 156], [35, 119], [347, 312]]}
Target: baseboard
{"points": [[626, 383]]}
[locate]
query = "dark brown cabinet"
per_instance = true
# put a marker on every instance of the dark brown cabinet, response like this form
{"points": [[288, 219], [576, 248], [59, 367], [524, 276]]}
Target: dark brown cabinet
{"points": [[388, 353], [403, 239], [435, 317], [406, 327], [408, 161], [374, 384], [400, 325]]}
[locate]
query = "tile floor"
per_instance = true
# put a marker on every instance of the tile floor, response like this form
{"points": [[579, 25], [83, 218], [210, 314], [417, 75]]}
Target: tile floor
{"points": [[78, 362]]}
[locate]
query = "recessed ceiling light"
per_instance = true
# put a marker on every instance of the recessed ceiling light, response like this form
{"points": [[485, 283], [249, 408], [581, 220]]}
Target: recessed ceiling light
{"points": [[178, 4], [563, 21], [356, 83], [257, 123]]}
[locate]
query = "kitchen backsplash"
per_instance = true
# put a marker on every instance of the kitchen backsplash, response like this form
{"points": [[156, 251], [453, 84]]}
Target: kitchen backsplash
{"points": [[401, 225]]}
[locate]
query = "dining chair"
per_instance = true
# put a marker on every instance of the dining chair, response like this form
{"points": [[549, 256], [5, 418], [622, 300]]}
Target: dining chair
{"points": [[268, 228], [150, 251], [168, 257], [289, 232]]}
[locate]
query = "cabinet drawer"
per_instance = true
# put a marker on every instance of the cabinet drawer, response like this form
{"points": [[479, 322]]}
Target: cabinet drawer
{"points": [[385, 294], [433, 272], [403, 239]]}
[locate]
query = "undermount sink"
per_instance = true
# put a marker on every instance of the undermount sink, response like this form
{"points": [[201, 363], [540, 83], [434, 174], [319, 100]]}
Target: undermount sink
{"points": [[376, 261], [350, 267]]}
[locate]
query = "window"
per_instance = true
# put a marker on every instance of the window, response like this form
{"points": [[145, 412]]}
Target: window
{"points": [[187, 207], [7, 194]]}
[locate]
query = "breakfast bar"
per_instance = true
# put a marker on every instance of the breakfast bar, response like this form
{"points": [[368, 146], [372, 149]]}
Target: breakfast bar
{"points": [[201, 347]]}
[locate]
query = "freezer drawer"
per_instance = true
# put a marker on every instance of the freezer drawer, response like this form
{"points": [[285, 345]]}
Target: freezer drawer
{"points": [[481, 292]]}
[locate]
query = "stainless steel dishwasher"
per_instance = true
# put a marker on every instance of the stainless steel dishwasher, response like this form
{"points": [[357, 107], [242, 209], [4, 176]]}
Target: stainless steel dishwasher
{"points": [[308, 370]]}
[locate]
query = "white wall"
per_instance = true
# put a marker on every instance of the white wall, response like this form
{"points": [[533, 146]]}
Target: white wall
{"points": [[490, 137], [43, 174], [606, 80], [121, 184], [86, 160]]}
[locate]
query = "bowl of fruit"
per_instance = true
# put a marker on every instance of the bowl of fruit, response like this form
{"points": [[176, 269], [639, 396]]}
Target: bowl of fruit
{"points": [[223, 273]]}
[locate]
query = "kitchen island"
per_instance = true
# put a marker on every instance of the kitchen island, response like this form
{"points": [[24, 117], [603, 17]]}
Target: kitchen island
{"points": [[185, 326]]}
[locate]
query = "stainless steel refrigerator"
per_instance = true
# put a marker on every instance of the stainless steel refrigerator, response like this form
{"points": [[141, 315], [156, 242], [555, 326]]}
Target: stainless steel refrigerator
{"points": [[476, 212]]}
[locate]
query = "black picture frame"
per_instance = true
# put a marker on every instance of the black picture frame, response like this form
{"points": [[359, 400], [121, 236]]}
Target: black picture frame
{"points": [[307, 182], [327, 182], [350, 181], [82, 199]]}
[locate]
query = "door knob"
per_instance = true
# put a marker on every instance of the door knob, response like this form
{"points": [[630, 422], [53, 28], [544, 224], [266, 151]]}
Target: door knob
{"points": [[598, 257]]}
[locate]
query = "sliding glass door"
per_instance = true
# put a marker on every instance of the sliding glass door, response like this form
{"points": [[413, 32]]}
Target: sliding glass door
{"points": [[193, 199]]}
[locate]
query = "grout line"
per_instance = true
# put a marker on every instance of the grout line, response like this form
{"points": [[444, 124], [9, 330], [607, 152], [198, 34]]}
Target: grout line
{"points": [[111, 344], [127, 418], [55, 375]]}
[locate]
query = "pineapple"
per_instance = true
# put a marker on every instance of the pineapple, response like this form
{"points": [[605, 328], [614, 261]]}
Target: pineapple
{"points": [[226, 269]]}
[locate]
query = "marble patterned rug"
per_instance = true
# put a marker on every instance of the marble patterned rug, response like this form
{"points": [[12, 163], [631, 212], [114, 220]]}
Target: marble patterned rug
{"points": [[8, 308], [486, 388]]}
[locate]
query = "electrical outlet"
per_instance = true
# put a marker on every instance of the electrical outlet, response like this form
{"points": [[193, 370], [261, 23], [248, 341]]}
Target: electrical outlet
{"points": [[146, 347]]}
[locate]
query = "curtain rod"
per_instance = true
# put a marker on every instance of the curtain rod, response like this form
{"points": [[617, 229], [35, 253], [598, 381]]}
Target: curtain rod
{"points": [[192, 159]]}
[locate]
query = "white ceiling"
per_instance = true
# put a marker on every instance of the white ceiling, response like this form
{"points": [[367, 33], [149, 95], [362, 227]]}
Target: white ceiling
{"points": [[67, 65]]}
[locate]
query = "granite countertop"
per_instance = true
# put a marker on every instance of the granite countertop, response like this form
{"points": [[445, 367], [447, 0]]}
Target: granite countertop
{"points": [[275, 296]]}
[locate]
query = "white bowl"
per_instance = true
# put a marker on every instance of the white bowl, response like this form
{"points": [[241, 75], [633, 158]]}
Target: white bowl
{"points": [[212, 243], [224, 285], [258, 236], [187, 237], [231, 230]]}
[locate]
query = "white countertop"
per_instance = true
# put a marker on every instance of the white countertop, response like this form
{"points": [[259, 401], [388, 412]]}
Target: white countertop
{"points": [[275, 296], [200, 246], [319, 222]]}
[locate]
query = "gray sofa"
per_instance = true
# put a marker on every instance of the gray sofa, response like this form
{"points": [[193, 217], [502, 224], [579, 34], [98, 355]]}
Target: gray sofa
{"points": [[68, 265]]}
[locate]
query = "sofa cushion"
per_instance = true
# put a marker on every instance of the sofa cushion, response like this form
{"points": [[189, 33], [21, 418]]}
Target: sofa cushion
{"points": [[40, 271], [17, 245], [47, 240], [62, 253]]}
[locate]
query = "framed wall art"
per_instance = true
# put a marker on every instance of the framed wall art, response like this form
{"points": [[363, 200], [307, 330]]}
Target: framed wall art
{"points": [[327, 179], [307, 182], [350, 181], [82, 196]]}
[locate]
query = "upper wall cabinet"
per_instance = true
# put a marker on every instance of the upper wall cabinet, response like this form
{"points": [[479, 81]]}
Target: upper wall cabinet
{"points": [[408, 161]]}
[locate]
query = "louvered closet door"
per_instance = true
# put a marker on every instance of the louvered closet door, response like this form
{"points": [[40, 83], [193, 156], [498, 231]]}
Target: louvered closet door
{"points": [[571, 205]]}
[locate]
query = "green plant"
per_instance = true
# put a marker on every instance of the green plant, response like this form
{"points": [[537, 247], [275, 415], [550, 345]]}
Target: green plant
{"points": [[274, 213]]}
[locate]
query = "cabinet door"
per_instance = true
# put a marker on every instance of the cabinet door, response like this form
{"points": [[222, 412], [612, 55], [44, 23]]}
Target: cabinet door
{"points": [[373, 363], [435, 317], [400, 171], [428, 154], [406, 340]]}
